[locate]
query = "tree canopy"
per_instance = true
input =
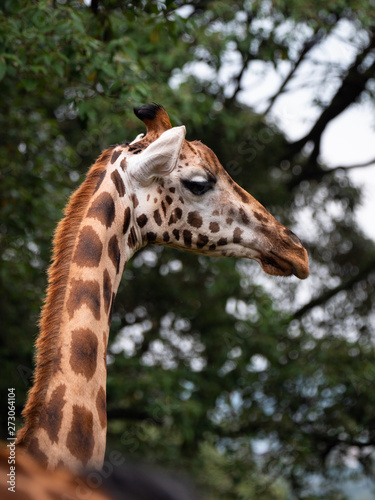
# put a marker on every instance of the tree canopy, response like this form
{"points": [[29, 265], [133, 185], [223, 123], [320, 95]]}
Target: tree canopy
{"points": [[258, 388]]}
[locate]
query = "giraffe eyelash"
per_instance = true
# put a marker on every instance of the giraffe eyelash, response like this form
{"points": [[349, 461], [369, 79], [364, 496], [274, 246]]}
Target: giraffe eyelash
{"points": [[197, 187]]}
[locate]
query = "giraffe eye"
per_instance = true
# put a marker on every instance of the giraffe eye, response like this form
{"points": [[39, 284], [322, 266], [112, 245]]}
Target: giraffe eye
{"points": [[197, 187]]}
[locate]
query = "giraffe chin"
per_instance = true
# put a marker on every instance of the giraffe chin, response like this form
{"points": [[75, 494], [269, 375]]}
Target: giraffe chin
{"points": [[302, 273], [280, 267]]}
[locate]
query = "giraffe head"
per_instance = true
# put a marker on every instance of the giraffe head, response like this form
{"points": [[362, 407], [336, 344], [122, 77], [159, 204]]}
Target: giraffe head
{"points": [[187, 200]]}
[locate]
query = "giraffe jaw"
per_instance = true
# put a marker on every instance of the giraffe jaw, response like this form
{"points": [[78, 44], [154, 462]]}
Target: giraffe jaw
{"points": [[278, 266], [275, 263], [271, 262]]}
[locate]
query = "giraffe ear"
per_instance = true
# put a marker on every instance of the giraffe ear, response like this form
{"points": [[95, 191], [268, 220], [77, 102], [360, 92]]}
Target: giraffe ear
{"points": [[159, 158]]}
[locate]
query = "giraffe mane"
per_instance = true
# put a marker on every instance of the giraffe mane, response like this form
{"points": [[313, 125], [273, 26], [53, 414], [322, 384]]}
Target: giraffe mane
{"points": [[58, 272]]}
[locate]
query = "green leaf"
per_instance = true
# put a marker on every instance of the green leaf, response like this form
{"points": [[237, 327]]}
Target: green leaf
{"points": [[30, 84], [14, 58], [3, 67], [59, 68]]}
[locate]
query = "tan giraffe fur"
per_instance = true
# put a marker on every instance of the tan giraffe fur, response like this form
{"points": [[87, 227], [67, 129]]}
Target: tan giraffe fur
{"points": [[33, 482], [162, 190]]}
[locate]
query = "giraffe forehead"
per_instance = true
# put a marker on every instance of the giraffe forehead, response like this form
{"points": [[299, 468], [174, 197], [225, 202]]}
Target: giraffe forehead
{"points": [[202, 155]]}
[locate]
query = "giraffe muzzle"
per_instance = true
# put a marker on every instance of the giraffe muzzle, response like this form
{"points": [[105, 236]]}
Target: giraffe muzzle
{"points": [[286, 262]]}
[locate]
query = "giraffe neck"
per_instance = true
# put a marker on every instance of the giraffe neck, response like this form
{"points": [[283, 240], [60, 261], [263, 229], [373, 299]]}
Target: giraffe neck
{"points": [[65, 414]]}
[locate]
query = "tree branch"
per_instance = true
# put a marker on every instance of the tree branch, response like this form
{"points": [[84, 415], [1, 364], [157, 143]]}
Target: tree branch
{"points": [[349, 167], [328, 294], [246, 58], [351, 87], [245, 61], [307, 46], [94, 6], [316, 172]]}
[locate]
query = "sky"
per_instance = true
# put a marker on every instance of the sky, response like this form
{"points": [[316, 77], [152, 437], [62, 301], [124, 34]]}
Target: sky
{"points": [[349, 139]]}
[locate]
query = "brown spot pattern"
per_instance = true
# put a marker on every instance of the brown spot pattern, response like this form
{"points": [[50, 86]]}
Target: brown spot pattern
{"points": [[266, 231], [103, 209], [241, 192], [157, 218], [134, 200], [244, 217], [187, 235], [176, 234], [126, 220], [123, 164], [222, 242], [51, 415], [169, 200], [36, 452], [107, 290], [84, 292], [214, 227], [202, 240], [89, 248], [194, 219], [166, 236], [142, 220], [151, 237], [56, 366], [237, 235], [175, 216], [101, 407], [114, 252], [260, 217], [80, 439], [84, 352], [132, 238], [101, 178], [115, 155], [118, 182], [164, 208]]}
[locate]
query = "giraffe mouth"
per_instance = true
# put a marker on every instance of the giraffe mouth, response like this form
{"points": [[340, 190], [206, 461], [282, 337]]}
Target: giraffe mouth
{"points": [[276, 265]]}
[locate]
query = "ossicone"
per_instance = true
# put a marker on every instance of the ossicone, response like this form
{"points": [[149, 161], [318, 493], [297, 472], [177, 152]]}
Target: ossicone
{"points": [[154, 117]]}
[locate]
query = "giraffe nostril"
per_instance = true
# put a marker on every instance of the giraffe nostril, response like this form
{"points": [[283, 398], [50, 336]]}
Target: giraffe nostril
{"points": [[294, 238]]}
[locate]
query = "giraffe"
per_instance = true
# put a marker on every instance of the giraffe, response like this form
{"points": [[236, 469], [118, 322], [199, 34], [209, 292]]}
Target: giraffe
{"points": [[160, 189]]}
